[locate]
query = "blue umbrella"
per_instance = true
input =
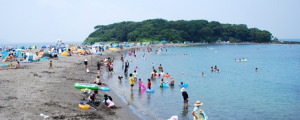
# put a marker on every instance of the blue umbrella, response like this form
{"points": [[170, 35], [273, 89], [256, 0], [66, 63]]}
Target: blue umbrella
{"points": [[44, 46]]}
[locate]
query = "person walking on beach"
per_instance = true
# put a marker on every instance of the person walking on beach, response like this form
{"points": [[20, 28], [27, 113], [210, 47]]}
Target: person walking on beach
{"points": [[131, 81], [50, 64], [196, 111], [85, 62], [185, 97]]}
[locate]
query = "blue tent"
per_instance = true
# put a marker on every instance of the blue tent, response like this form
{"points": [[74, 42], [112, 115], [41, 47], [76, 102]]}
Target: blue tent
{"points": [[44, 46], [164, 41], [4, 54]]}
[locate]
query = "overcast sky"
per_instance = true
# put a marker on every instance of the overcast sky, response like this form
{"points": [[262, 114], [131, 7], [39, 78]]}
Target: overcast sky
{"points": [[24, 21]]}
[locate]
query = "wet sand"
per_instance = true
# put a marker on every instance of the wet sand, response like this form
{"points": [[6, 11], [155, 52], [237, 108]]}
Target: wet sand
{"points": [[35, 91]]}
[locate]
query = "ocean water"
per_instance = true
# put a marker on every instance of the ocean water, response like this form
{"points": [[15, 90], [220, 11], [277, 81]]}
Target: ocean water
{"points": [[237, 92]]}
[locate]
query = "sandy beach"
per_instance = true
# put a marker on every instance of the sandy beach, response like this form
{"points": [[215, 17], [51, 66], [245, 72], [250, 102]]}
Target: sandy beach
{"points": [[35, 91]]}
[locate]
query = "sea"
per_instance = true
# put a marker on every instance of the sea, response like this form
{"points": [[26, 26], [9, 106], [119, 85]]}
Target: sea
{"points": [[236, 92]]}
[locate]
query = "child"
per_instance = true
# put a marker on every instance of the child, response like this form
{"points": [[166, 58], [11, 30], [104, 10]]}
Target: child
{"points": [[120, 78], [131, 81], [162, 82], [135, 75], [51, 65], [140, 83], [149, 84]]}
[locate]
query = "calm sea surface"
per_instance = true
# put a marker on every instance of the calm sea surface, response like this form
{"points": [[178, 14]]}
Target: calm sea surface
{"points": [[237, 92]]}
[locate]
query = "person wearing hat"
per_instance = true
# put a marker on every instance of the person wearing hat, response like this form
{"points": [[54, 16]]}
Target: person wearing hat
{"points": [[196, 111], [185, 97]]}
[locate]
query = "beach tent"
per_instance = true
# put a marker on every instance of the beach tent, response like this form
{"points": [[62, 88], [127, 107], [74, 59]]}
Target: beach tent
{"points": [[64, 54], [114, 49], [164, 41], [99, 53], [31, 57], [40, 55], [19, 54], [4, 54], [44, 46], [81, 51], [47, 54]]}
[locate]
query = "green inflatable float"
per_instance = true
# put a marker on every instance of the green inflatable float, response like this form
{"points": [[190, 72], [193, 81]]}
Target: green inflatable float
{"points": [[86, 85]]}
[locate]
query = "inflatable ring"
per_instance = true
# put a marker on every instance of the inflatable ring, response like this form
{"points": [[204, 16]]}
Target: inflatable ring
{"points": [[104, 89], [166, 75], [184, 85], [150, 90], [164, 85], [84, 106], [86, 91]]}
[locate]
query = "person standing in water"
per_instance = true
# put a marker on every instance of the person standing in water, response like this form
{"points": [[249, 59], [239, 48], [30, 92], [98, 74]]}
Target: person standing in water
{"points": [[202, 74], [185, 97], [131, 81], [149, 84], [160, 68], [172, 82], [196, 111], [135, 75], [161, 83]]}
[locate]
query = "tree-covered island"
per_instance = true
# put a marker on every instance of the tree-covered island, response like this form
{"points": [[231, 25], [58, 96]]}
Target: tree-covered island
{"points": [[177, 31]]}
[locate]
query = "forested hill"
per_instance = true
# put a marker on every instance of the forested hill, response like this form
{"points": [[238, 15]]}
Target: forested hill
{"points": [[177, 31]]}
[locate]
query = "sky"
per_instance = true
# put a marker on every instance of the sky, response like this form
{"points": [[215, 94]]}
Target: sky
{"points": [[34, 21]]}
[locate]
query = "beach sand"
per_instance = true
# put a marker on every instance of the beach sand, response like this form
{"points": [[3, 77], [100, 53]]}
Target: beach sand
{"points": [[35, 91]]}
